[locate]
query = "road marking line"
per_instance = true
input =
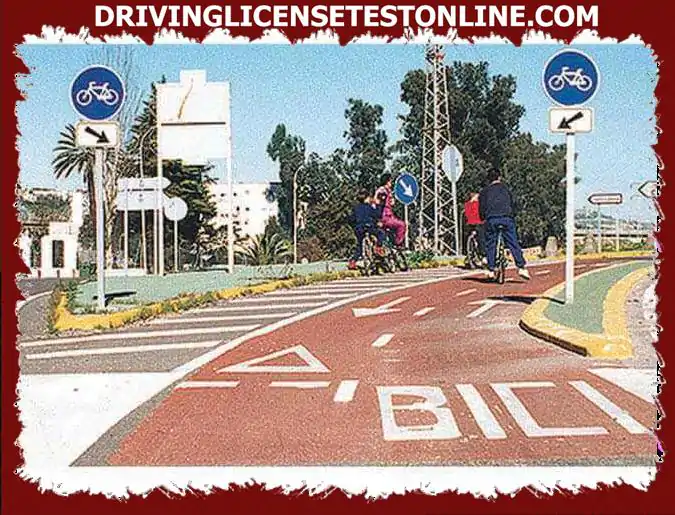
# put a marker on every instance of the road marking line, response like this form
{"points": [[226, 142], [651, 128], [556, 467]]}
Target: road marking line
{"points": [[208, 384], [465, 292], [262, 316], [423, 312], [139, 335], [382, 340], [598, 265], [486, 305], [380, 310], [21, 303], [392, 360], [346, 390], [481, 413], [300, 384], [225, 309], [579, 266], [619, 415], [122, 350], [543, 272], [641, 382], [272, 298]]}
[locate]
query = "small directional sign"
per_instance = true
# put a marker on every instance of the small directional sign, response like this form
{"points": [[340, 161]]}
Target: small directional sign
{"points": [[144, 184], [97, 134], [453, 163], [602, 199], [406, 188], [649, 189], [570, 120]]}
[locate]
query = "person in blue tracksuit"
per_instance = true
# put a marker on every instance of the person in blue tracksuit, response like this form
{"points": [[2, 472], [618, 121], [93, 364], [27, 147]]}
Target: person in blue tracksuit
{"points": [[366, 220], [498, 207]]}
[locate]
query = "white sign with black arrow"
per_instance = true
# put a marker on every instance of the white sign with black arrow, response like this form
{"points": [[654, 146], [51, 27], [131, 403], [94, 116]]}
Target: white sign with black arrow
{"points": [[570, 120], [97, 134]]}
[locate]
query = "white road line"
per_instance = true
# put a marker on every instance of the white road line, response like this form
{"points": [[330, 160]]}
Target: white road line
{"points": [[300, 384], [382, 340], [423, 312], [229, 309], [140, 335], [208, 384], [486, 305], [619, 415], [233, 318], [579, 266], [598, 265], [346, 390], [344, 289], [21, 303], [122, 350], [542, 272], [481, 413], [465, 292], [272, 298], [509, 280], [641, 382]]}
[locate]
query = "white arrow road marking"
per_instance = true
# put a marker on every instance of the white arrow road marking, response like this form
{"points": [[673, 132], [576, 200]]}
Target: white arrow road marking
{"points": [[346, 390], [486, 305], [381, 310], [423, 312], [312, 363], [383, 340], [465, 292]]}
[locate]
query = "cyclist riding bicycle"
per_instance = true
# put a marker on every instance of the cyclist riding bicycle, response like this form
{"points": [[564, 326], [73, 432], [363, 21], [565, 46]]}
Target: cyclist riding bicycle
{"points": [[474, 221], [365, 218], [385, 200], [498, 208]]}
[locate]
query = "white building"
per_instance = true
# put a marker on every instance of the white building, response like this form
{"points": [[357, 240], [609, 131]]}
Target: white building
{"points": [[252, 206]]}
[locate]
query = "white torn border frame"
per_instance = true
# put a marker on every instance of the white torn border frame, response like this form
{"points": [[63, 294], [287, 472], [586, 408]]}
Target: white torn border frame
{"points": [[373, 482]]}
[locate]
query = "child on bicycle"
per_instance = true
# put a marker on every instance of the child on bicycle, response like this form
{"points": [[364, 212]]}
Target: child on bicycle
{"points": [[474, 222], [498, 208], [365, 218], [385, 199]]}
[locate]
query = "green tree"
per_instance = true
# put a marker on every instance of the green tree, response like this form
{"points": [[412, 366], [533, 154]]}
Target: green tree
{"points": [[288, 152], [368, 152], [534, 171]]}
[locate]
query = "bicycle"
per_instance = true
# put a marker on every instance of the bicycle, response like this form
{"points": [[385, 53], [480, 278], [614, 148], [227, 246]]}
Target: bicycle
{"points": [[500, 262], [576, 79], [473, 255], [395, 255], [372, 263], [102, 92]]}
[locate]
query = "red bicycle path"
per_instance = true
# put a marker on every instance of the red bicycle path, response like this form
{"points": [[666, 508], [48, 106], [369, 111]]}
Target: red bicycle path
{"points": [[407, 407]]}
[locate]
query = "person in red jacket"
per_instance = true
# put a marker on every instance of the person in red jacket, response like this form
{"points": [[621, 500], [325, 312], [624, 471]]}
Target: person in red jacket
{"points": [[473, 220]]}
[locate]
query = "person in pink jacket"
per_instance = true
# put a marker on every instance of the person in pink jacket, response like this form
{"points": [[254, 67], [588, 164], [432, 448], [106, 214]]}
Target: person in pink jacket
{"points": [[385, 199]]}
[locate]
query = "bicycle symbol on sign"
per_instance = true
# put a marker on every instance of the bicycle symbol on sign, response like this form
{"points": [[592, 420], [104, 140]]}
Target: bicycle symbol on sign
{"points": [[101, 92], [576, 79]]}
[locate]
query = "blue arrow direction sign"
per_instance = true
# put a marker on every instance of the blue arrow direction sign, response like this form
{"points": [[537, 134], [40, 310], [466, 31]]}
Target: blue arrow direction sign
{"points": [[406, 188], [571, 78], [97, 93]]}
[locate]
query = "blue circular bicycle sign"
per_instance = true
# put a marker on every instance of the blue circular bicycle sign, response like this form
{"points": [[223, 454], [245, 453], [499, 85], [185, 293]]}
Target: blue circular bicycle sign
{"points": [[406, 188], [571, 78], [97, 93]]}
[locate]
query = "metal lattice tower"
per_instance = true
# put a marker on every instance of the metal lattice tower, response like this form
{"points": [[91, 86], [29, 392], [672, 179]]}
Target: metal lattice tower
{"points": [[436, 220]]}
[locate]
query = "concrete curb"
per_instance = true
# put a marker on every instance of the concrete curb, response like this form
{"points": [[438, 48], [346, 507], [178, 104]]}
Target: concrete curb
{"points": [[613, 343]]}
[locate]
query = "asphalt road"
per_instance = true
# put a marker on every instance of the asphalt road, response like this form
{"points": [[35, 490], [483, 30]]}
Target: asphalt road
{"points": [[428, 367], [34, 309]]}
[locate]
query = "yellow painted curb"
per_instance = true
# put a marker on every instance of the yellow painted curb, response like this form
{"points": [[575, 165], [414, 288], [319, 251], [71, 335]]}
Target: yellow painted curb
{"points": [[67, 321], [613, 343]]}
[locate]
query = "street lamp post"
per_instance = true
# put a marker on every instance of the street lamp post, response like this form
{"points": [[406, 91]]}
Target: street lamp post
{"points": [[144, 248]]}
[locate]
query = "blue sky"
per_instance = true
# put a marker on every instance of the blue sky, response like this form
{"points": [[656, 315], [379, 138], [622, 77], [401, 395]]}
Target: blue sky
{"points": [[307, 87]]}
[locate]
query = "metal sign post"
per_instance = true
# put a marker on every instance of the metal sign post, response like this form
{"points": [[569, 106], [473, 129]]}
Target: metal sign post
{"points": [[175, 209], [569, 220], [100, 230], [570, 79]]}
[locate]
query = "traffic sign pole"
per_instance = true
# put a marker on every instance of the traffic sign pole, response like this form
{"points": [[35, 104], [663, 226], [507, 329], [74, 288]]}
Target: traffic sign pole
{"points": [[100, 229], [599, 230], [458, 247], [160, 209], [569, 215], [407, 227], [126, 234]]}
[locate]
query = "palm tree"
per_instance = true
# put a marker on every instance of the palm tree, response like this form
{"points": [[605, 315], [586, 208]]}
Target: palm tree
{"points": [[265, 249], [71, 158]]}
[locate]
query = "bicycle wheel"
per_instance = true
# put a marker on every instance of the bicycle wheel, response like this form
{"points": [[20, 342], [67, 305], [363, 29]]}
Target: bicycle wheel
{"points": [[83, 97], [556, 83], [472, 253], [584, 83], [501, 260], [111, 98]]}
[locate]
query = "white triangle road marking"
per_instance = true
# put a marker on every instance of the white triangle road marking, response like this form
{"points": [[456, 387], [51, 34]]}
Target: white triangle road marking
{"points": [[255, 365]]}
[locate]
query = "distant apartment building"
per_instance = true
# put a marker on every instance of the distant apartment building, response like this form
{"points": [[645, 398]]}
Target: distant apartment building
{"points": [[251, 204]]}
